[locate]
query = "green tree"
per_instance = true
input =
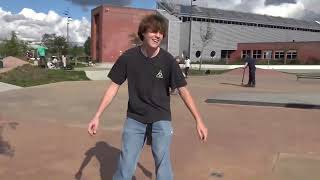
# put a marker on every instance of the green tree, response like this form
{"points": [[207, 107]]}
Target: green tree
{"points": [[56, 45], [13, 46], [77, 51], [87, 46], [48, 41], [60, 45]]}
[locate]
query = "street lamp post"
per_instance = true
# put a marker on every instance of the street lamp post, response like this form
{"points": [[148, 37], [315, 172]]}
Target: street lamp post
{"points": [[190, 28], [66, 13], [68, 21]]}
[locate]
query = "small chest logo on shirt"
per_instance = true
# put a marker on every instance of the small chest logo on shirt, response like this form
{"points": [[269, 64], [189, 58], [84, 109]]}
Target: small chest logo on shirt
{"points": [[159, 75]]}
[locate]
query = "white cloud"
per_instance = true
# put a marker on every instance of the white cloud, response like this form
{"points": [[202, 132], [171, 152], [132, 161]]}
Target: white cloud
{"points": [[31, 25], [313, 5], [283, 10], [3, 13], [31, 14], [299, 9]]}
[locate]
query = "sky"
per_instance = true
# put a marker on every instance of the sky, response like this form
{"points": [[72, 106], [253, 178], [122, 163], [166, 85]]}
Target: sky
{"points": [[30, 19]]}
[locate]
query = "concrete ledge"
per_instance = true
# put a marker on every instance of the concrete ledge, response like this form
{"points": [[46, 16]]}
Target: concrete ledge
{"points": [[97, 75], [296, 166], [256, 103], [288, 100]]}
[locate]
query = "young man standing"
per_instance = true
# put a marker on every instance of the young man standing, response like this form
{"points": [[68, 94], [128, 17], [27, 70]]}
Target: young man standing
{"points": [[150, 72], [251, 63]]}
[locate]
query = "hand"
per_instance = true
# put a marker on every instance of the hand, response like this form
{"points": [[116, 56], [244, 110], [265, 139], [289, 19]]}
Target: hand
{"points": [[202, 131], [93, 126], [78, 175]]}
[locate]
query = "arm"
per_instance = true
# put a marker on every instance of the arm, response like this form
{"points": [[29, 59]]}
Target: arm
{"points": [[188, 100], [108, 96], [245, 65]]}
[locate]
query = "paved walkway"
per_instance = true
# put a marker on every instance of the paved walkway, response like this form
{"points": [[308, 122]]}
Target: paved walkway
{"points": [[7, 87]]}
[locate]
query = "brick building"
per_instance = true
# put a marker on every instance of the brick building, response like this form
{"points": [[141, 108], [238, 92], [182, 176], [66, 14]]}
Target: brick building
{"points": [[232, 34], [111, 27], [302, 51]]}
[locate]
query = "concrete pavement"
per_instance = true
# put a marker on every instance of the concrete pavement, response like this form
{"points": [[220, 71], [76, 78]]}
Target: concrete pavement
{"points": [[245, 142]]}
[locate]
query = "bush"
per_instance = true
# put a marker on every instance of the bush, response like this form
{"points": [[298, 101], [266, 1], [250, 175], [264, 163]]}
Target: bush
{"points": [[271, 62], [210, 61], [294, 62], [28, 75], [310, 61]]}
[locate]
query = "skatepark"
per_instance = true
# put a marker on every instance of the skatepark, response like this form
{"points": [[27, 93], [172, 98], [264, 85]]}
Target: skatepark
{"points": [[43, 130]]}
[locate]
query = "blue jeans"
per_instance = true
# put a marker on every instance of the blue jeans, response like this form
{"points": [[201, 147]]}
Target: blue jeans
{"points": [[133, 139]]}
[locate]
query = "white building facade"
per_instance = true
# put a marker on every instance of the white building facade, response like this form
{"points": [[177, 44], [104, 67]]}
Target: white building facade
{"points": [[220, 30]]}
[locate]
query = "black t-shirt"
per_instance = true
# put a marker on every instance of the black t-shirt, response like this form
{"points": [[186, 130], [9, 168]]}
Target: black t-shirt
{"points": [[251, 62], [149, 80]]}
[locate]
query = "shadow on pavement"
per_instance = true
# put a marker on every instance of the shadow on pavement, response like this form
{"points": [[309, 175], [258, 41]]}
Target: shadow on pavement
{"points": [[302, 106], [5, 147], [108, 158], [231, 84]]}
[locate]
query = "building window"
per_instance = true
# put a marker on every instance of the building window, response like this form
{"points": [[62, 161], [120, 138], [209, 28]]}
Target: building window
{"points": [[279, 55], [292, 54], [225, 54], [184, 19], [245, 53], [257, 54], [267, 54]]}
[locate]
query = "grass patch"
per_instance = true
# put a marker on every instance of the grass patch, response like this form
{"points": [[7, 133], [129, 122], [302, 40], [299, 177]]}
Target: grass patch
{"points": [[196, 72], [28, 75]]}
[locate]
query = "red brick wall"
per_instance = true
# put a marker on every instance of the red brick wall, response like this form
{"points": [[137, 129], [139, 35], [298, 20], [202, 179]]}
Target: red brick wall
{"points": [[305, 50], [116, 24], [310, 51]]}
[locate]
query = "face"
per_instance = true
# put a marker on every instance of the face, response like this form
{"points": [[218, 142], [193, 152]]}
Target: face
{"points": [[152, 39]]}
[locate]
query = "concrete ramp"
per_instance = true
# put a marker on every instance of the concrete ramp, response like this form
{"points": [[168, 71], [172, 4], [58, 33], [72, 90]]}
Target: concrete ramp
{"points": [[97, 74], [10, 63], [297, 167]]}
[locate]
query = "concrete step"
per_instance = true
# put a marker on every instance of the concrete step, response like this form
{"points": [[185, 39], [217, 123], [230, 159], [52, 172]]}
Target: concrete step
{"points": [[97, 75]]}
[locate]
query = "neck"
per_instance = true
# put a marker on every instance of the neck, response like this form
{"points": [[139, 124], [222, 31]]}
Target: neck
{"points": [[149, 51]]}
